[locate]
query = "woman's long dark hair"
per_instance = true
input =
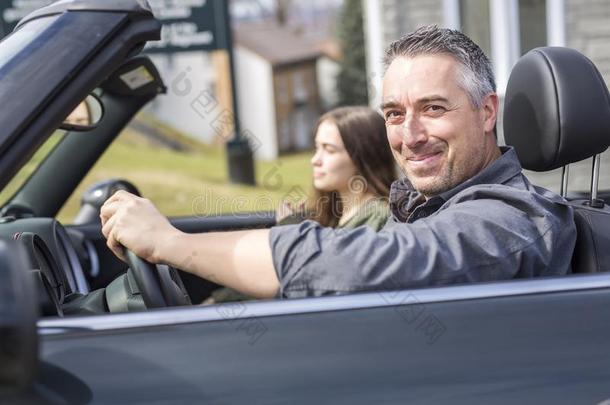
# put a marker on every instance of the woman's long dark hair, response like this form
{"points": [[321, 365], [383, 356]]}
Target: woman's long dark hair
{"points": [[364, 135]]}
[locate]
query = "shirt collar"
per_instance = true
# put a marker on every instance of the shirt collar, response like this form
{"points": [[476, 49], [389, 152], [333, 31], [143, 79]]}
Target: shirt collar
{"points": [[403, 197]]}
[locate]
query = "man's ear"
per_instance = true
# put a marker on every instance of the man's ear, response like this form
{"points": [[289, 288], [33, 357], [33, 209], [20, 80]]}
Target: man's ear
{"points": [[490, 111]]}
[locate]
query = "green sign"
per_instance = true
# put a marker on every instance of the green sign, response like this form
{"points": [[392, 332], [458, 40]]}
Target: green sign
{"points": [[188, 25]]}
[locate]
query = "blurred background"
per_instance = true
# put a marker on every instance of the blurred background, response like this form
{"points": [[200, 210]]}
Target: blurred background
{"points": [[247, 79]]}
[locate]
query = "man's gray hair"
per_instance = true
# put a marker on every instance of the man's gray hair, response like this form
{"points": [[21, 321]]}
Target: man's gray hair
{"points": [[476, 76]]}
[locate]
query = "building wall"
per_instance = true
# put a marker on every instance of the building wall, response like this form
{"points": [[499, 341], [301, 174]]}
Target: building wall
{"points": [[255, 96], [187, 76], [386, 21], [327, 71], [400, 16], [224, 92], [586, 24], [588, 30]]}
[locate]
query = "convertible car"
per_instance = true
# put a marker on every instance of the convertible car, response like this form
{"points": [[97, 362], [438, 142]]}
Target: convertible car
{"points": [[76, 329]]}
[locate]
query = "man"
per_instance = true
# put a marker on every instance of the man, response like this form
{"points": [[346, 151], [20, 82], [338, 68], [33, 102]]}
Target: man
{"points": [[464, 213]]}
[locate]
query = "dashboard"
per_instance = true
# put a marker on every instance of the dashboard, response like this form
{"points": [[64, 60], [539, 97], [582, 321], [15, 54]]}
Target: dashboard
{"points": [[54, 263]]}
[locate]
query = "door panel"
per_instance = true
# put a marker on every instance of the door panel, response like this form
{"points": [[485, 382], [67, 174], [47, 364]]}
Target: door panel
{"points": [[522, 349]]}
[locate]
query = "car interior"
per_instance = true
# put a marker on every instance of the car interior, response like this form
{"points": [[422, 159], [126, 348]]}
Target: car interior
{"points": [[546, 119]]}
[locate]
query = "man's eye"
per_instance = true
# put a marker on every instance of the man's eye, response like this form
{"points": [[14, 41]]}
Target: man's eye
{"points": [[435, 108], [392, 115]]}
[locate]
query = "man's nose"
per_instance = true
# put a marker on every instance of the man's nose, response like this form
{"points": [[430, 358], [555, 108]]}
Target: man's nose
{"points": [[413, 132]]}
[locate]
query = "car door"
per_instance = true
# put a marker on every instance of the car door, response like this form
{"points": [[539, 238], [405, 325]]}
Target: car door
{"points": [[527, 341]]}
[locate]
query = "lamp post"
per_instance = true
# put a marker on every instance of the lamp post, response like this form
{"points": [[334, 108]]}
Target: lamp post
{"points": [[240, 160]]}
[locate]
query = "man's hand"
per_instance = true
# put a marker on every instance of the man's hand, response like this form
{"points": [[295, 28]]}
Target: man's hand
{"points": [[136, 224]]}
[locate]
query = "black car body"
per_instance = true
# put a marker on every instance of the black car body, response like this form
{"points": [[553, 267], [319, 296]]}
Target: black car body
{"points": [[518, 341]]}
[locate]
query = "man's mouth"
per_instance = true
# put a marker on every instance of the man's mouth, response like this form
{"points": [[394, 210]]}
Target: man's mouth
{"points": [[421, 158], [423, 161]]}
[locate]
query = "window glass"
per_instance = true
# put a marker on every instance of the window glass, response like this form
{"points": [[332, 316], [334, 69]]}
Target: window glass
{"points": [[532, 24], [474, 17], [29, 168]]}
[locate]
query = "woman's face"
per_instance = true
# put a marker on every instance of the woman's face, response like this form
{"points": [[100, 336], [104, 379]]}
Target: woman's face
{"points": [[332, 166]]}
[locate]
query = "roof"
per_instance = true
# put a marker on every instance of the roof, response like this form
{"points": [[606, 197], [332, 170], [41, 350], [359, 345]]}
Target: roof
{"points": [[331, 49], [277, 44]]}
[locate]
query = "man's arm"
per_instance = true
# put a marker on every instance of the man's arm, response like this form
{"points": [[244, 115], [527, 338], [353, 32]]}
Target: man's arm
{"points": [[485, 239], [240, 260]]}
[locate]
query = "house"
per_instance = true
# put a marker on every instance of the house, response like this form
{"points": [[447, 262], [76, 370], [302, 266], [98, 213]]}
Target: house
{"points": [[505, 29], [276, 73]]}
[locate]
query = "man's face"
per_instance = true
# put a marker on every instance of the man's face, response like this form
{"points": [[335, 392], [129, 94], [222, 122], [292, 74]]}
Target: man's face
{"points": [[437, 136]]}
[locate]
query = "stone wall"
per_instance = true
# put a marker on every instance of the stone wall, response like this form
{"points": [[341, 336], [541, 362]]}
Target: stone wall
{"points": [[401, 17], [588, 30]]}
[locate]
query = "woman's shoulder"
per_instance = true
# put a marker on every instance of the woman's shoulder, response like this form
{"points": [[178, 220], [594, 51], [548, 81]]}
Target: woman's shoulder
{"points": [[374, 213]]}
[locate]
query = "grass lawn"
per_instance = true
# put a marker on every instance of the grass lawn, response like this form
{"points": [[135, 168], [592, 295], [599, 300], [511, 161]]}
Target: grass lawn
{"points": [[184, 183]]}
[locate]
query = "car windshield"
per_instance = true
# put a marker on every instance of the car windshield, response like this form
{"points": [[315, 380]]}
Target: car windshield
{"points": [[15, 42]]}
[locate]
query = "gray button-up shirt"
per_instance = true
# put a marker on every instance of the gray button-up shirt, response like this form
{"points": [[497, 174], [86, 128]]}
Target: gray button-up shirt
{"points": [[494, 226]]}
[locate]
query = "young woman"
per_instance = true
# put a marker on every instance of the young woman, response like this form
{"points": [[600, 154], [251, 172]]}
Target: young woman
{"points": [[353, 168]]}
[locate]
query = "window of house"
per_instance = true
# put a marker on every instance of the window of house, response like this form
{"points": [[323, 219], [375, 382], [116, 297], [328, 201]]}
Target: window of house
{"points": [[301, 94], [474, 18], [532, 24]]}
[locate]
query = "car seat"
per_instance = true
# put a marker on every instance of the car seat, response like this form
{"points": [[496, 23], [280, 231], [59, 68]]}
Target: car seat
{"points": [[557, 112]]}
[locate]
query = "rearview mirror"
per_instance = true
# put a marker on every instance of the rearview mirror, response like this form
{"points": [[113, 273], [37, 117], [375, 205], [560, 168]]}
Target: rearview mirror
{"points": [[18, 315], [85, 116]]}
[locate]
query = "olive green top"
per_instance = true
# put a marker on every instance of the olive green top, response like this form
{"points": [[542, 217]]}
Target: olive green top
{"points": [[373, 213]]}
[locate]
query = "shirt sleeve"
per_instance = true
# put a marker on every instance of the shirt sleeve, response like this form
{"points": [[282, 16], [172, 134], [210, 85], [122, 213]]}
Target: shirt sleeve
{"points": [[471, 241]]}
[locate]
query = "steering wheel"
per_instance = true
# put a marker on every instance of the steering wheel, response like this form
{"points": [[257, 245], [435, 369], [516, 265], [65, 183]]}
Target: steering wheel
{"points": [[159, 285]]}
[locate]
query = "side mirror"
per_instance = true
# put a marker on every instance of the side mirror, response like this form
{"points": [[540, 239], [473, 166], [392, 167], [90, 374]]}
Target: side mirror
{"points": [[18, 315], [85, 116]]}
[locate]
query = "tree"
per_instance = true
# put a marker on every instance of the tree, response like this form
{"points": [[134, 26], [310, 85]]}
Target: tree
{"points": [[351, 81]]}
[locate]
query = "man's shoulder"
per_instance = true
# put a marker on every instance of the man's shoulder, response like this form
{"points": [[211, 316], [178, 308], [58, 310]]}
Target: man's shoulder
{"points": [[512, 201]]}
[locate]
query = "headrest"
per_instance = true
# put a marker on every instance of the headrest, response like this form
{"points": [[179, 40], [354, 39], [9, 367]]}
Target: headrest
{"points": [[556, 109]]}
